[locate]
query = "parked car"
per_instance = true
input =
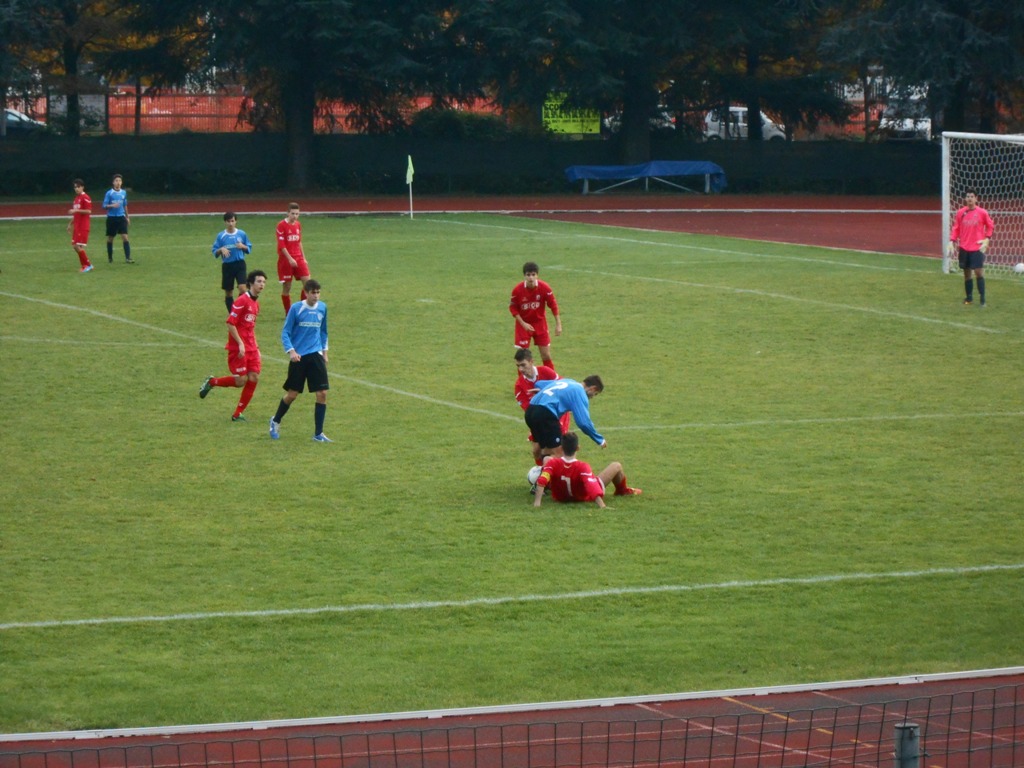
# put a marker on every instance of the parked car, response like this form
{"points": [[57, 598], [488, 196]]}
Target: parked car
{"points": [[908, 120], [716, 128], [662, 120], [20, 124]]}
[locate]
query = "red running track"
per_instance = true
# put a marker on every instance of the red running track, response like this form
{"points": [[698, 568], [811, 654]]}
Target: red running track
{"points": [[964, 721], [909, 225]]}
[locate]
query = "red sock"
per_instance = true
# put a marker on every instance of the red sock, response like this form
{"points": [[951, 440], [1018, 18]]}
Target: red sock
{"points": [[82, 258], [287, 301], [223, 381], [246, 396], [621, 488], [302, 296]]}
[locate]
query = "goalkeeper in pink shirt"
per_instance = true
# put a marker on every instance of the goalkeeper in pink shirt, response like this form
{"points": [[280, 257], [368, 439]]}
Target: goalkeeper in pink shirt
{"points": [[970, 236]]}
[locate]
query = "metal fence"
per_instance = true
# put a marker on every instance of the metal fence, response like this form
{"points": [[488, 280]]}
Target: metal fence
{"points": [[961, 730]]}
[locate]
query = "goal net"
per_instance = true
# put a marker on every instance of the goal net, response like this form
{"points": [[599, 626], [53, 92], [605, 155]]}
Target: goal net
{"points": [[993, 166]]}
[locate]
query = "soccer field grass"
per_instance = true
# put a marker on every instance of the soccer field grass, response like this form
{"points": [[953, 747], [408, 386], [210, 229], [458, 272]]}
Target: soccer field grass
{"points": [[828, 444]]}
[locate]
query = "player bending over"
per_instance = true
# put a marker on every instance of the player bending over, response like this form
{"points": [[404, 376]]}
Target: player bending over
{"points": [[526, 387], [573, 480]]}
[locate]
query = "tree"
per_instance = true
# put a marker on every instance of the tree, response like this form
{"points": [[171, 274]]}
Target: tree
{"points": [[970, 56], [71, 31], [612, 55], [763, 55], [18, 38], [299, 55], [162, 45]]}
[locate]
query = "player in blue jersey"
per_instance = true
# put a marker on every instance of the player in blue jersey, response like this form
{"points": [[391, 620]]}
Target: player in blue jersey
{"points": [[115, 203], [555, 398], [304, 337], [231, 247]]}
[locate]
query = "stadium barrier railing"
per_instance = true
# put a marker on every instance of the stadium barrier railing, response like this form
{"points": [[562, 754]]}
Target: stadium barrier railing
{"points": [[974, 728]]}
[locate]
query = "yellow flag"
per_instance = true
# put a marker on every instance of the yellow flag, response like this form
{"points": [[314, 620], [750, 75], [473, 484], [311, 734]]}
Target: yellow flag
{"points": [[409, 172]]}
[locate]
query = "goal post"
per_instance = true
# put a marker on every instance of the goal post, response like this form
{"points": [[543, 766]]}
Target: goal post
{"points": [[993, 166]]}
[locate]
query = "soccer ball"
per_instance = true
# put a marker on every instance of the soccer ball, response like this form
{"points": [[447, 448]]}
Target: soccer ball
{"points": [[533, 475], [1019, 268]]}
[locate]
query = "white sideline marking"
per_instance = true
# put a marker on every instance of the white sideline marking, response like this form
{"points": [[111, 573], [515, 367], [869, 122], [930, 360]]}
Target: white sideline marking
{"points": [[208, 342], [642, 701], [70, 342], [508, 212], [105, 316], [484, 411], [822, 420], [510, 599], [707, 249], [786, 297]]}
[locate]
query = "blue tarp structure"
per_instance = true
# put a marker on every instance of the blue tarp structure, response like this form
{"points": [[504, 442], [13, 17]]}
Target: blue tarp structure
{"points": [[714, 176]]}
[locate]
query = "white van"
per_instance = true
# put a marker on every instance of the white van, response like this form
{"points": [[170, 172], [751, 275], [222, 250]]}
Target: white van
{"points": [[736, 127], [907, 119]]}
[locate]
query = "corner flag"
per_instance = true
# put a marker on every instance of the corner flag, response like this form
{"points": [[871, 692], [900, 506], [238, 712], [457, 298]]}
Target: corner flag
{"points": [[408, 181]]}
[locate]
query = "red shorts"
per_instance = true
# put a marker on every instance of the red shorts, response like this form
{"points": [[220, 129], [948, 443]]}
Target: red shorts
{"points": [[241, 366], [592, 490], [540, 336], [80, 236], [286, 272]]}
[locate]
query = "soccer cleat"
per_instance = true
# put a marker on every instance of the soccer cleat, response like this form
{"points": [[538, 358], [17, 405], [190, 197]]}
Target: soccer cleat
{"points": [[128, 261], [87, 268], [968, 302], [322, 438], [274, 434], [983, 302], [630, 492], [207, 386], [239, 417]]}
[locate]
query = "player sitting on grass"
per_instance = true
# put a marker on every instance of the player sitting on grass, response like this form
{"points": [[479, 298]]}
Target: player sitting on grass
{"points": [[573, 480]]}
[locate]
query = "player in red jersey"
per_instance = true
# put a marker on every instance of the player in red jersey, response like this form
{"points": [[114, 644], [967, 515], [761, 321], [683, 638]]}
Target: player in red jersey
{"points": [[530, 301], [291, 263], [80, 224], [244, 360], [573, 480], [529, 375]]}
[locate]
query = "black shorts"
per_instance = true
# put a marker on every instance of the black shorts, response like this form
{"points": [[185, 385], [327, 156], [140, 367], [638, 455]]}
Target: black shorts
{"points": [[971, 259], [232, 273], [117, 225], [544, 425], [311, 370]]}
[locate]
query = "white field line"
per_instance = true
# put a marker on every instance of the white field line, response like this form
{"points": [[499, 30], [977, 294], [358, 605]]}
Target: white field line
{"points": [[72, 343], [975, 676], [510, 212], [105, 316], [706, 249], [747, 291], [208, 342], [809, 421], [476, 602], [484, 411], [785, 297]]}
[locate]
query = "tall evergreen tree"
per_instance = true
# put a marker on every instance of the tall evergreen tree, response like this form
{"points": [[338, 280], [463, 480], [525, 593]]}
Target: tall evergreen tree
{"points": [[969, 56], [297, 55]]}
